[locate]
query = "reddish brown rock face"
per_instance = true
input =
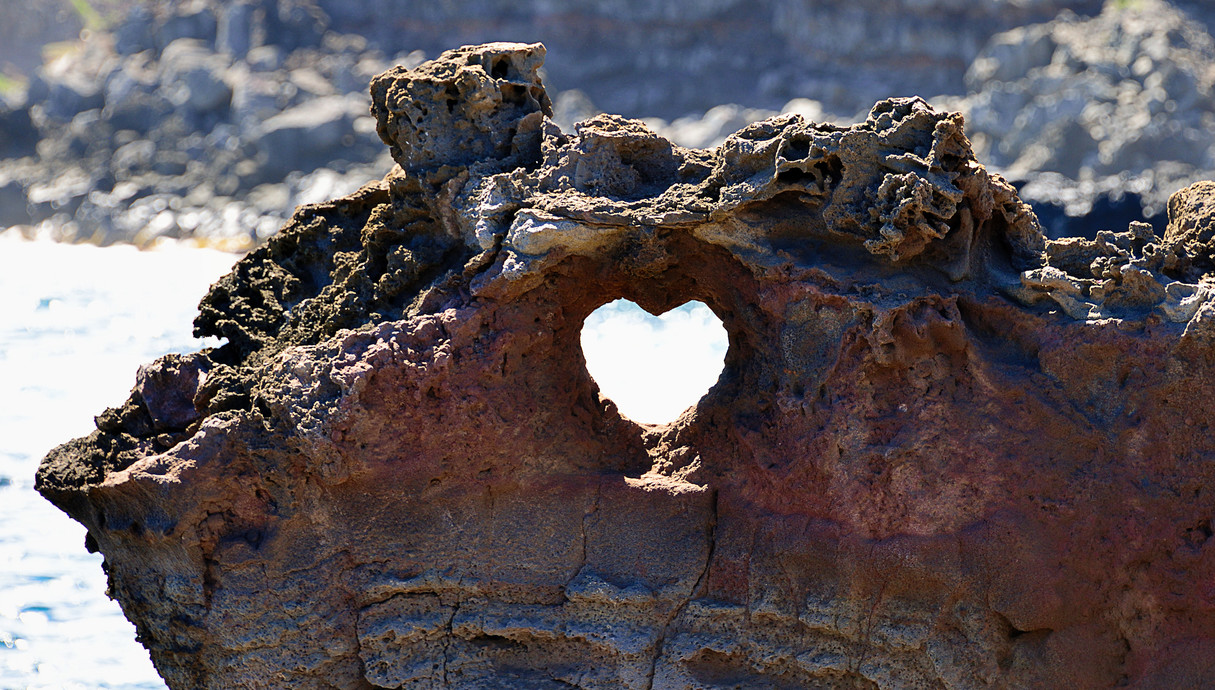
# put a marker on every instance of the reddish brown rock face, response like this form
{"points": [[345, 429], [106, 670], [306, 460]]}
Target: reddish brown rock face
{"points": [[943, 453]]}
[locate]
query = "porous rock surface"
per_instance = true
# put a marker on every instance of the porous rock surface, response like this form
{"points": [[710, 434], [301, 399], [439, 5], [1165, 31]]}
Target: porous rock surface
{"points": [[943, 452], [1087, 111]]}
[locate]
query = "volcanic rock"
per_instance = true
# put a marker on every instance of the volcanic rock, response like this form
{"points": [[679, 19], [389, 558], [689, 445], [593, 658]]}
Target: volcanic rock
{"points": [[1091, 111], [943, 452], [175, 79], [311, 135]]}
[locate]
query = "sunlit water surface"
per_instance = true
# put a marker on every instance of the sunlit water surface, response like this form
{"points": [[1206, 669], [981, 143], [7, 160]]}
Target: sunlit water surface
{"points": [[77, 321]]}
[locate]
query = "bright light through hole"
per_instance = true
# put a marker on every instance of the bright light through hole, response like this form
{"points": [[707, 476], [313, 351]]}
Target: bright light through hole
{"points": [[654, 368]]}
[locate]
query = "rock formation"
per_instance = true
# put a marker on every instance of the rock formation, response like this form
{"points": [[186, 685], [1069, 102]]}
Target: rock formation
{"points": [[183, 138], [944, 452], [1114, 110], [212, 119]]}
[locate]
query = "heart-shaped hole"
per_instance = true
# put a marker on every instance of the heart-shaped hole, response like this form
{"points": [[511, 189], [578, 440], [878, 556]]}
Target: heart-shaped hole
{"points": [[654, 368]]}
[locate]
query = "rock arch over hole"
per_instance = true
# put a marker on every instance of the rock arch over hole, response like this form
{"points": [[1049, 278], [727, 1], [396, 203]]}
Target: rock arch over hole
{"points": [[654, 368]]}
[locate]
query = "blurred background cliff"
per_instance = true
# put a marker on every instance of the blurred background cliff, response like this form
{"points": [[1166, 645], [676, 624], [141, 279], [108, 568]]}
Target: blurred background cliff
{"points": [[127, 121]]}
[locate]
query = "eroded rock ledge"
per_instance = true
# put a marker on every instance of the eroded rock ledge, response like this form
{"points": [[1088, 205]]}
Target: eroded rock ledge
{"points": [[943, 453]]}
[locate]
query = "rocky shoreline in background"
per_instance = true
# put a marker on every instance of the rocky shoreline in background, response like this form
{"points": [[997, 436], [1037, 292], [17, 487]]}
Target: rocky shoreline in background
{"points": [[206, 119], [176, 125]]}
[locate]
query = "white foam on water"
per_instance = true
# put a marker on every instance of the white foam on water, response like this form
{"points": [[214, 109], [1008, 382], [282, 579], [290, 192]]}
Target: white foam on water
{"points": [[76, 321]]}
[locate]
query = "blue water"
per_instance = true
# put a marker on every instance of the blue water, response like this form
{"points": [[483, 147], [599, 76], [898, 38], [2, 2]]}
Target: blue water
{"points": [[75, 323]]}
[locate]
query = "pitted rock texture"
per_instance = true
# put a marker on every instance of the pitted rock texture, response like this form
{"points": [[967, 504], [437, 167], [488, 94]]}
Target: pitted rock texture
{"points": [[943, 452]]}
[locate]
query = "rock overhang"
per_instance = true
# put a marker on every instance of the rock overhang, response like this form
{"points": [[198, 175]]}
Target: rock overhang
{"points": [[921, 393]]}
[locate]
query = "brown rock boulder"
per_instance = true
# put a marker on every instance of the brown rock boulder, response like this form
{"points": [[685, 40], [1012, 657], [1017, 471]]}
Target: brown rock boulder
{"points": [[1191, 231], [943, 452]]}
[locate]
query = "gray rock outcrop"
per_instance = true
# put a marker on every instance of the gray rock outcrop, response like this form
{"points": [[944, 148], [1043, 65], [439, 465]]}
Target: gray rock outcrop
{"points": [[1085, 111], [1091, 113]]}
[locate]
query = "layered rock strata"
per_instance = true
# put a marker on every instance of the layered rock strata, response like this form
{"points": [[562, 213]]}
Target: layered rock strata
{"points": [[943, 452]]}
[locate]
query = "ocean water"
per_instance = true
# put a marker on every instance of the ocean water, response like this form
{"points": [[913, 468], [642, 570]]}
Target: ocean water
{"points": [[76, 321]]}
